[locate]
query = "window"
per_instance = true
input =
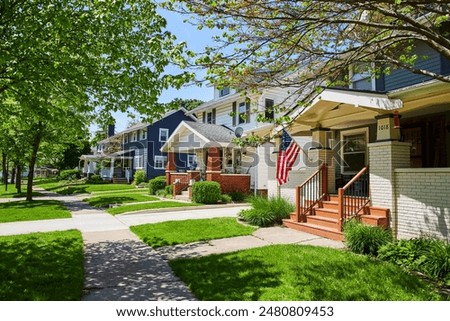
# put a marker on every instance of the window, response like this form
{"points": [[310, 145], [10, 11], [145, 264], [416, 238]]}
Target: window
{"points": [[134, 136], [139, 161], [163, 134], [125, 138], [224, 91], [160, 162], [354, 150], [191, 161], [269, 111], [210, 117], [244, 112], [143, 134]]}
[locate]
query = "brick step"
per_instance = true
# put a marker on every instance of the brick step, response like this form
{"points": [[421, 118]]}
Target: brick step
{"points": [[185, 193], [330, 233], [118, 180], [322, 221]]}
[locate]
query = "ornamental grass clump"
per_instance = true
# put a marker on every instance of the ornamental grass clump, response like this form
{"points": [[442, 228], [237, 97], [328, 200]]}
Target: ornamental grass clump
{"points": [[426, 255], [267, 211], [365, 239]]}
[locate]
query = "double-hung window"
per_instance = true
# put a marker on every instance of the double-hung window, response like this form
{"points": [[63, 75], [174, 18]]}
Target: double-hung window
{"points": [[163, 134], [160, 162], [354, 150]]}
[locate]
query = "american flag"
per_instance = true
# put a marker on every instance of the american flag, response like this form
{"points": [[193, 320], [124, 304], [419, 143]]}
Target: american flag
{"points": [[287, 156]]}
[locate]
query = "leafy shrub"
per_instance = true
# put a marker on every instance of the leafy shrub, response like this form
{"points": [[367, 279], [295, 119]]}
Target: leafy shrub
{"points": [[267, 211], [95, 179], [169, 190], [427, 255], [161, 193], [365, 239], [206, 192], [70, 174], [225, 198], [140, 177], [237, 196], [156, 184]]}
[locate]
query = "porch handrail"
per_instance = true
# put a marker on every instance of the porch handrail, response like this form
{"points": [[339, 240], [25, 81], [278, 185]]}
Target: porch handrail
{"points": [[354, 196], [311, 192]]}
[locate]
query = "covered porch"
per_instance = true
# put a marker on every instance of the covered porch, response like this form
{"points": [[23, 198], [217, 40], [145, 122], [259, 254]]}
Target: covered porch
{"points": [[374, 149], [115, 167], [216, 158]]}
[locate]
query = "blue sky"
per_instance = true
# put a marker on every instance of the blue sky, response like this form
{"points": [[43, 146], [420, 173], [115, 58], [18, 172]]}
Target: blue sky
{"points": [[196, 41]]}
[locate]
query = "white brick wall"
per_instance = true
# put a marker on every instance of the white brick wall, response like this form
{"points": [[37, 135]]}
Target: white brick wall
{"points": [[423, 202]]}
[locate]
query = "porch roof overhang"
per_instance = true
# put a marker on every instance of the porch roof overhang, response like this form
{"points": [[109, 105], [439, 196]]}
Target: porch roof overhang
{"points": [[192, 136], [100, 157], [424, 98], [342, 108]]}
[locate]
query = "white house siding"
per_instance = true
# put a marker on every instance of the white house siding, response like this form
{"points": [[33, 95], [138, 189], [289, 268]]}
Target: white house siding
{"points": [[423, 202]]}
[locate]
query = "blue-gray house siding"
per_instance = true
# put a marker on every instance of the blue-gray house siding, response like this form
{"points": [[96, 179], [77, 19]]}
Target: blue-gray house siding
{"points": [[428, 59], [169, 122]]}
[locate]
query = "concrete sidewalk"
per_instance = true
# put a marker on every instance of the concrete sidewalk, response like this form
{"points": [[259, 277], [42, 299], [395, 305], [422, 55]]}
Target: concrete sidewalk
{"points": [[118, 266]]}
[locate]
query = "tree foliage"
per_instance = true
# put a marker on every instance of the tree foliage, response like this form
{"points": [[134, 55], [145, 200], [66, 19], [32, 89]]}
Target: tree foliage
{"points": [[62, 63], [302, 44]]}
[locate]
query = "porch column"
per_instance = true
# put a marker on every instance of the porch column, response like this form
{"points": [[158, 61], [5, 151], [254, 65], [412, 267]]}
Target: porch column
{"points": [[385, 156], [213, 165], [111, 174], [322, 153], [171, 166]]}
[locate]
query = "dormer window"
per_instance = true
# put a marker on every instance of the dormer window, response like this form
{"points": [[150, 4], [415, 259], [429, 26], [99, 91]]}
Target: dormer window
{"points": [[224, 91]]}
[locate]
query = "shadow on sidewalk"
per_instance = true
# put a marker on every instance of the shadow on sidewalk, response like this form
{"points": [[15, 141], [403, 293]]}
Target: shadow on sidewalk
{"points": [[129, 271]]}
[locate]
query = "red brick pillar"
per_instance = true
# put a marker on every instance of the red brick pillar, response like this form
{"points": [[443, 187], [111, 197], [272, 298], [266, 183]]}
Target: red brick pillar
{"points": [[213, 165], [171, 166]]}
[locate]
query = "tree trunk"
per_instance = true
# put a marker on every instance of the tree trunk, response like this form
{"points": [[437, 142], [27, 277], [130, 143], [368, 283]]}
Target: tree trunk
{"points": [[19, 178], [13, 174], [5, 170], [36, 143]]}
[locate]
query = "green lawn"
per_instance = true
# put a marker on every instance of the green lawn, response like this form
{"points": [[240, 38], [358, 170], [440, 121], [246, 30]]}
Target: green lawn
{"points": [[32, 211], [41, 266], [12, 192], [69, 188], [182, 232], [299, 273], [104, 199], [148, 206]]}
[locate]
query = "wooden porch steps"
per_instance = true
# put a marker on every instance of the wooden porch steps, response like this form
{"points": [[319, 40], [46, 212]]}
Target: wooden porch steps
{"points": [[324, 219]]}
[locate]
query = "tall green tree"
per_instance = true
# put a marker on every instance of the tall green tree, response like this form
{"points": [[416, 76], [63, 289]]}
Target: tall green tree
{"points": [[81, 58], [298, 43]]}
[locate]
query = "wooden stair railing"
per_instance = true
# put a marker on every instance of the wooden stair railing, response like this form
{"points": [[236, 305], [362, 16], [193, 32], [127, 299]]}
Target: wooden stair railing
{"points": [[311, 192], [354, 196]]}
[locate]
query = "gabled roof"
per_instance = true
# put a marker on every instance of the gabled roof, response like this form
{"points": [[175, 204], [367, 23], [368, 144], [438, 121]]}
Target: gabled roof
{"points": [[212, 132], [142, 125], [207, 133]]}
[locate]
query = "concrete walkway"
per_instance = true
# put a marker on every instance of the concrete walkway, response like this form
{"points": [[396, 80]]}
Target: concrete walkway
{"points": [[118, 266]]}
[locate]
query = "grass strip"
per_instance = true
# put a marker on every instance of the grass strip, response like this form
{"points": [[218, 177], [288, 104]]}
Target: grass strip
{"points": [[299, 273], [119, 198], [41, 266], [32, 211], [148, 206], [188, 231], [12, 192], [69, 188]]}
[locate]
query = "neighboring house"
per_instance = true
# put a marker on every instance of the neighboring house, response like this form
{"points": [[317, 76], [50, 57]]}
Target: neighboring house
{"points": [[227, 115], [397, 128], [120, 155]]}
